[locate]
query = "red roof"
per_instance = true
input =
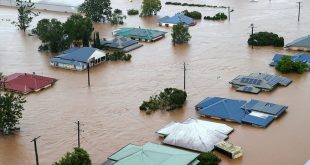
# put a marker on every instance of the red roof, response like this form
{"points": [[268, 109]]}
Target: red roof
{"points": [[26, 83]]}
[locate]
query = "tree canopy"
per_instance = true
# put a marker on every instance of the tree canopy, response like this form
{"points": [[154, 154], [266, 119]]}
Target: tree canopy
{"points": [[96, 10], [208, 158], [192, 14], [266, 39], [117, 17], [286, 65], [11, 107], [180, 34], [25, 14], [169, 99], [51, 33], [78, 157], [150, 7], [78, 28]]}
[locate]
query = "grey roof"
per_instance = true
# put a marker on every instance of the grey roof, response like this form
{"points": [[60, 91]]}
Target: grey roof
{"points": [[177, 18], [265, 107], [300, 42], [119, 42], [195, 134], [258, 81]]}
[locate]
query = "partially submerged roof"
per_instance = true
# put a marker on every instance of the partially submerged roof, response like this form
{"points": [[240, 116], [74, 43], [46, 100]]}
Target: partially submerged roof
{"points": [[177, 19], [228, 109], [300, 57], [147, 34], [300, 42], [152, 154], [256, 82], [25, 83], [195, 134], [120, 42], [255, 112], [236, 151]]}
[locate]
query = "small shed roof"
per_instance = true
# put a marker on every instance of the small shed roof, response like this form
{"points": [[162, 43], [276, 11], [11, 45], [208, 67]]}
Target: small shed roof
{"points": [[147, 34], [152, 154], [300, 42], [223, 108], [178, 18], [195, 135], [25, 83]]}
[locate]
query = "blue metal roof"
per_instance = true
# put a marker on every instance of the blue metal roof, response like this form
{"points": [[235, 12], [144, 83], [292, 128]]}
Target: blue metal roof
{"points": [[300, 57], [257, 121], [300, 42], [265, 107], [207, 102], [64, 61], [227, 109], [176, 19]]}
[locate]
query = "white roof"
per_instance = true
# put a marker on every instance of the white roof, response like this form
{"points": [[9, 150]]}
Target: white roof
{"points": [[195, 134]]}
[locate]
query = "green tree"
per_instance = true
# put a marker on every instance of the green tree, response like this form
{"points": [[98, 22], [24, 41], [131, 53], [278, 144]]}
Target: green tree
{"points": [[287, 65], [97, 41], [11, 107], [96, 10], [78, 157], [25, 14], [117, 17], [208, 158], [266, 39], [180, 34], [150, 7], [78, 29], [51, 33], [192, 14]]}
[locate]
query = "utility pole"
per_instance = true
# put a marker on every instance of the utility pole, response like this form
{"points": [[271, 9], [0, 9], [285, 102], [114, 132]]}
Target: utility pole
{"points": [[252, 27], [78, 124], [299, 10], [88, 74], [228, 13], [35, 148], [184, 74]]}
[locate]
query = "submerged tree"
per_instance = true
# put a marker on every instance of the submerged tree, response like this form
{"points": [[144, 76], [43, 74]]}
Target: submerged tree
{"points": [[25, 14], [150, 7], [208, 158], [180, 34], [11, 107], [287, 65], [97, 10], [51, 33], [78, 157], [117, 17], [78, 29]]}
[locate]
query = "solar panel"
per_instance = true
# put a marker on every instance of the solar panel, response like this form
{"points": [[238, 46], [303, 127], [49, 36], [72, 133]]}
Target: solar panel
{"points": [[258, 82], [251, 81]]}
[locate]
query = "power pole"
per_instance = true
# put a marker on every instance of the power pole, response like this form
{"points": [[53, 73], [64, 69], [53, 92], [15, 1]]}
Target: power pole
{"points": [[88, 74], [184, 74], [299, 10], [252, 27], [78, 124], [35, 148], [228, 13]]}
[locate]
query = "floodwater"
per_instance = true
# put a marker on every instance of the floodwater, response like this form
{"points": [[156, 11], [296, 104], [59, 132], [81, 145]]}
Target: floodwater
{"points": [[108, 110]]}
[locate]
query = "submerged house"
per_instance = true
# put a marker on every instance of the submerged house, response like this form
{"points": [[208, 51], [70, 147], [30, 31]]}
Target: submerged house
{"points": [[176, 19], [152, 154], [300, 57], [257, 82], [25, 83], [254, 112], [193, 134], [140, 34], [302, 44], [78, 58], [121, 43]]}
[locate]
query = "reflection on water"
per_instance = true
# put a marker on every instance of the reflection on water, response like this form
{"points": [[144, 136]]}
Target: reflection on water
{"points": [[109, 109]]}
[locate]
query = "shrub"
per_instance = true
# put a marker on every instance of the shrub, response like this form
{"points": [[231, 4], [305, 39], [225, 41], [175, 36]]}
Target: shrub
{"points": [[266, 39], [78, 157], [132, 12], [286, 65], [118, 55], [208, 158], [218, 16], [169, 99], [192, 14]]}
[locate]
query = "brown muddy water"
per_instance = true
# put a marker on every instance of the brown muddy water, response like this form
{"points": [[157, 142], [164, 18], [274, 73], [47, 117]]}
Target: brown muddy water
{"points": [[109, 109]]}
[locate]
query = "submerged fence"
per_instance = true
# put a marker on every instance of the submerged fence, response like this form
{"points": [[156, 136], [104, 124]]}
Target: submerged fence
{"points": [[43, 6]]}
